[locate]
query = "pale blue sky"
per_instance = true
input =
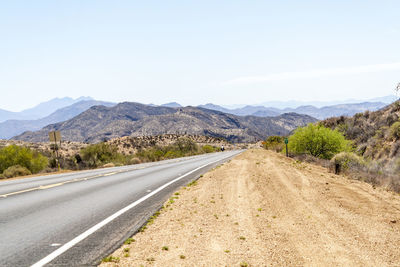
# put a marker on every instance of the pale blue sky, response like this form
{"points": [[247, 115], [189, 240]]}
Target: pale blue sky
{"points": [[194, 52]]}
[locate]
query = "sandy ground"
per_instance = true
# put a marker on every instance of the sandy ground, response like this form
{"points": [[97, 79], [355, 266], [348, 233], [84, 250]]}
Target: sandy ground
{"points": [[262, 209]]}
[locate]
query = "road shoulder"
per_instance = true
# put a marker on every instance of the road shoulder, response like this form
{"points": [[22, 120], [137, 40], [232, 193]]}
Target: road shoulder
{"points": [[262, 209]]}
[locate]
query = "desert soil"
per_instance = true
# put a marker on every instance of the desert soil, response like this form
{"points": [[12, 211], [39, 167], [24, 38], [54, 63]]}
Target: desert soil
{"points": [[262, 209]]}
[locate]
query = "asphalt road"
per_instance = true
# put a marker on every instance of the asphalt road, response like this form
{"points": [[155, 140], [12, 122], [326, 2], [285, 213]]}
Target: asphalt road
{"points": [[76, 219]]}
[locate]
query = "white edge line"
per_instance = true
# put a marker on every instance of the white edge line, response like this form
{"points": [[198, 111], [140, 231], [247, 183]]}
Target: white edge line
{"points": [[96, 227]]}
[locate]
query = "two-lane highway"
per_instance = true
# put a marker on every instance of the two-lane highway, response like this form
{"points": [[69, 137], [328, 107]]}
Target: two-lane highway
{"points": [[77, 218]]}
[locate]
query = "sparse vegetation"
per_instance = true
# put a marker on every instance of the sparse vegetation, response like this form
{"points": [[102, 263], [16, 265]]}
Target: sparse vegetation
{"points": [[129, 241], [112, 153], [181, 148], [275, 143], [111, 259], [376, 136], [395, 130], [192, 183], [210, 149]]}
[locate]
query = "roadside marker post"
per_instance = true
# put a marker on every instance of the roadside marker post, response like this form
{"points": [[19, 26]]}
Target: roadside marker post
{"points": [[55, 136], [286, 143]]}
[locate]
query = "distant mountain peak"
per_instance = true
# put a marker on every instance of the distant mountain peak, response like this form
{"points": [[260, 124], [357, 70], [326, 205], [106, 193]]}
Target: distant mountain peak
{"points": [[41, 110], [84, 98], [348, 109], [172, 105]]}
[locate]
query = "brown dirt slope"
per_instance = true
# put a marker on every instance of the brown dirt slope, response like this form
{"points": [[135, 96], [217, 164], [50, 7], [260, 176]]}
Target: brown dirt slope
{"points": [[263, 209]]}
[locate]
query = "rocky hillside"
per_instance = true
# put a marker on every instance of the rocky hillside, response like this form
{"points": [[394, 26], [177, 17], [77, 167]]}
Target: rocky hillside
{"points": [[375, 134], [133, 119]]}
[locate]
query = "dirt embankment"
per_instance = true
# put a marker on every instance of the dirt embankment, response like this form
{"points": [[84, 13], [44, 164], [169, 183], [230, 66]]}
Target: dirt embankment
{"points": [[262, 209]]}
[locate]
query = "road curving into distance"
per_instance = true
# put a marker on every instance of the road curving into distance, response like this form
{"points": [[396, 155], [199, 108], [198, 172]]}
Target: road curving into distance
{"points": [[76, 219]]}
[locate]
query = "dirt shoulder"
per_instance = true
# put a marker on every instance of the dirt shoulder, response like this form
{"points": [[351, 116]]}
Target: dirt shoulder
{"points": [[263, 209]]}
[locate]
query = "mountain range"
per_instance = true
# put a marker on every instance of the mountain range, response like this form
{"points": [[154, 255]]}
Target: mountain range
{"points": [[319, 113], [100, 123], [294, 104], [42, 110], [12, 128], [61, 109]]}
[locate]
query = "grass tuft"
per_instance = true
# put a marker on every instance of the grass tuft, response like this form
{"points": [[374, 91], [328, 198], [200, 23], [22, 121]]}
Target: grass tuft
{"points": [[111, 259], [129, 241]]}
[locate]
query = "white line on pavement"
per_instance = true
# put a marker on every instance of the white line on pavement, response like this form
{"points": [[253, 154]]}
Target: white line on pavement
{"points": [[96, 227]]}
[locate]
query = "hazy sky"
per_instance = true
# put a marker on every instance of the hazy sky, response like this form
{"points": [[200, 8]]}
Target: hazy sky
{"points": [[194, 52]]}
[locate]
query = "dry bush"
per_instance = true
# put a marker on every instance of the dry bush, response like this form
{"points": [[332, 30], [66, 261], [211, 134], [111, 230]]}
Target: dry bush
{"points": [[108, 165], [275, 143], [15, 171], [348, 161], [395, 130], [135, 161], [310, 159]]}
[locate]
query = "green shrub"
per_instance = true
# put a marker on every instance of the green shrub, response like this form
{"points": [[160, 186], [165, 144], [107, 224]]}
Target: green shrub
{"points": [[150, 154], [318, 141], [209, 149], [348, 160], [275, 143], [186, 145], [16, 155], [182, 147], [102, 153], [395, 130], [15, 171]]}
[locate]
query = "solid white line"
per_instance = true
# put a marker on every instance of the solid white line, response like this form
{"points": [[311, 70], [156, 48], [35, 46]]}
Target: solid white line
{"points": [[90, 231]]}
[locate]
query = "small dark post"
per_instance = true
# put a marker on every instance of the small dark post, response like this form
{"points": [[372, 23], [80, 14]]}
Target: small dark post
{"points": [[337, 168], [56, 151], [287, 150]]}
